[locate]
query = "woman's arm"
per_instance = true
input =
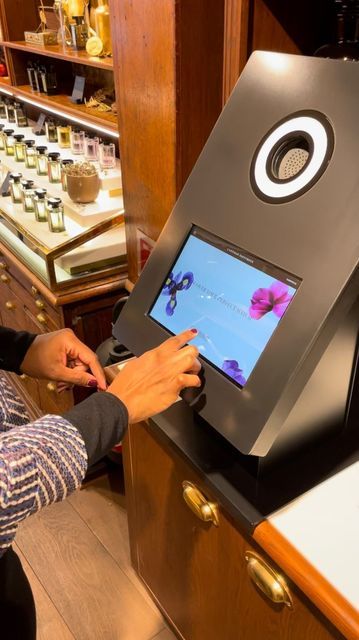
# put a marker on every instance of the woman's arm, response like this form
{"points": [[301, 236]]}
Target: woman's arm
{"points": [[13, 348]]}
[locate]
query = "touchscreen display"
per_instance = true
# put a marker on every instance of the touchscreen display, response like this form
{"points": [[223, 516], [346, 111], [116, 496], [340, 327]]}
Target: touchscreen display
{"points": [[232, 298]]}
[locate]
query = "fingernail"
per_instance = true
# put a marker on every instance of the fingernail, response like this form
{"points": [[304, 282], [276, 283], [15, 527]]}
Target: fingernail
{"points": [[194, 330], [92, 383]]}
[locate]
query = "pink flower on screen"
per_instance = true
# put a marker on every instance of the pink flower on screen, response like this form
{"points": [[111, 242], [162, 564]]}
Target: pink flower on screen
{"points": [[276, 298]]}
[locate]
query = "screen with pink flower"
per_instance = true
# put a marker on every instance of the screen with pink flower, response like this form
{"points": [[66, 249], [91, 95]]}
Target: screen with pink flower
{"points": [[235, 301]]}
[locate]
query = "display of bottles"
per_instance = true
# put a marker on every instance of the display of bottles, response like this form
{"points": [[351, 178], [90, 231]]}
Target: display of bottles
{"points": [[63, 136], [19, 150], [30, 154], [51, 131], [54, 167], [55, 215], [41, 161], [77, 141], [101, 16], [346, 43], [107, 155], [9, 142], [15, 187], [40, 206], [64, 163], [27, 195]]}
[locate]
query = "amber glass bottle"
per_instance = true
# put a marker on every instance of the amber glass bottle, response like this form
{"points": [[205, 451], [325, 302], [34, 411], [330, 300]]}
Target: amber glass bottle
{"points": [[345, 46]]}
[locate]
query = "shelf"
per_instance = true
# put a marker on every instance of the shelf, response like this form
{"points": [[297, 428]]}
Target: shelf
{"points": [[62, 106], [61, 53]]}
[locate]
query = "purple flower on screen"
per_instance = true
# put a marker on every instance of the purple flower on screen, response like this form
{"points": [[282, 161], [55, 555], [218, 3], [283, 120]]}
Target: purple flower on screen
{"points": [[232, 369], [276, 298], [174, 284]]}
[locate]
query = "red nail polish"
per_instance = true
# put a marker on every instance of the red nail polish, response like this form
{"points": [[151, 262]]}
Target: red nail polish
{"points": [[194, 330], [93, 384]]}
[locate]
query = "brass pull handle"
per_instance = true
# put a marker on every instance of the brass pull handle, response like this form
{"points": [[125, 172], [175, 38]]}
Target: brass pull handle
{"points": [[51, 386], [39, 303], [3, 266], [201, 507], [4, 278], [271, 583], [10, 305], [41, 318], [34, 291], [23, 376]]}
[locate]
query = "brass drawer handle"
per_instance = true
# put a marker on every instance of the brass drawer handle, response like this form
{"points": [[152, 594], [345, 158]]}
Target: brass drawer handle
{"points": [[39, 303], [34, 291], [41, 318], [4, 278], [201, 507], [3, 266], [23, 376], [268, 580], [51, 386], [10, 305]]}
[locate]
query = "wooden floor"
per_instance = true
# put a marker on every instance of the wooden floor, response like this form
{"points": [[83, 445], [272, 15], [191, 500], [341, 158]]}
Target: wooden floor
{"points": [[76, 555]]}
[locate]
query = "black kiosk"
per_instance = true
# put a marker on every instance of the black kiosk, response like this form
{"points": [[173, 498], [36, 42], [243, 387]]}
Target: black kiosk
{"points": [[260, 254]]}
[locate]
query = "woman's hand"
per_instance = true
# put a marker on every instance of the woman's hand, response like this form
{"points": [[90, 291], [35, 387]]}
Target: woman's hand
{"points": [[61, 356], [151, 383]]}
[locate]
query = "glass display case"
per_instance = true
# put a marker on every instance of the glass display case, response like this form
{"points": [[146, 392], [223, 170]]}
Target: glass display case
{"points": [[93, 244]]}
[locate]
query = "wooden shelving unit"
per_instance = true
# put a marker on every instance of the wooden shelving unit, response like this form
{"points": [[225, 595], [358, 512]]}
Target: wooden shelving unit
{"points": [[61, 53]]}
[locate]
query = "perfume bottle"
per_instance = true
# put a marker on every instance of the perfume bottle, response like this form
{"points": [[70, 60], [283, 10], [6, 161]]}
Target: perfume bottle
{"points": [[63, 136], [2, 138], [19, 147], [51, 131], [345, 46], [55, 215], [38, 78], [49, 80], [77, 141], [30, 154], [91, 148], [40, 208], [64, 163], [31, 76], [41, 161], [9, 142], [102, 25], [27, 195], [20, 116], [54, 167], [79, 32], [10, 111], [15, 187], [2, 108], [107, 155]]}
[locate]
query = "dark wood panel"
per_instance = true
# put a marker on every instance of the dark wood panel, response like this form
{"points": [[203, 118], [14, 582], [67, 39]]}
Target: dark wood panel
{"points": [[235, 43], [268, 32]]}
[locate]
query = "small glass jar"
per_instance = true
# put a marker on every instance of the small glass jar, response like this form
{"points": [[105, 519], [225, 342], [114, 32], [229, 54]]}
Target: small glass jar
{"points": [[51, 131], [40, 205], [20, 116], [30, 154], [27, 195], [9, 142], [107, 155], [19, 147], [41, 161], [64, 164], [77, 142], [54, 167], [63, 136], [15, 187], [2, 108], [91, 148], [10, 112], [55, 215]]}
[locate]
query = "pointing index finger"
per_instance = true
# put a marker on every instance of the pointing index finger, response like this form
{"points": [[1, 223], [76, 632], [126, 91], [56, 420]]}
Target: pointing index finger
{"points": [[179, 341]]}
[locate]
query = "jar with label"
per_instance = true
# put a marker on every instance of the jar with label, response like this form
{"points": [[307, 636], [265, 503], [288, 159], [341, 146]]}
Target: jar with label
{"points": [[9, 142], [64, 164], [20, 116], [40, 206], [19, 147], [77, 141], [30, 154], [107, 155], [27, 195], [41, 161], [15, 187], [63, 136], [91, 148], [54, 167], [51, 131], [55, 215], [10, 112]]}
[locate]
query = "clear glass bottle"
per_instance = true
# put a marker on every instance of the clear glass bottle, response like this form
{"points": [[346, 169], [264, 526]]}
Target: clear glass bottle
{"points": [[49, 80], [64, 163], [20, 116], [107, 155], [51, 131], [19, 148], [91, 148], [79, 32], [2, 138], [55, 215], [345, 45], [77, 141], [40, 206], [10, 111], [54, 167], [15, 187], [30, 154], [9, 142], [41, 161], [31, 76], [27, 195], [2, 108], [63, 136]]}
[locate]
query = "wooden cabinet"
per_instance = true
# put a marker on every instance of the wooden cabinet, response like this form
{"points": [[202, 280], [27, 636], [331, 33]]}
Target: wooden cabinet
{"points": [[197, 571]]}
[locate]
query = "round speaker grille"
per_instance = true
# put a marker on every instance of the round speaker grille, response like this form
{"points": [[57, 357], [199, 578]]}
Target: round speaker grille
{"points": [[292, 163]]}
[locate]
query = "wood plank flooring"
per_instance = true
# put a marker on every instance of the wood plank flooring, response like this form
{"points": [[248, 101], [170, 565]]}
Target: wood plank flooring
{"points": [[76, 555]]}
